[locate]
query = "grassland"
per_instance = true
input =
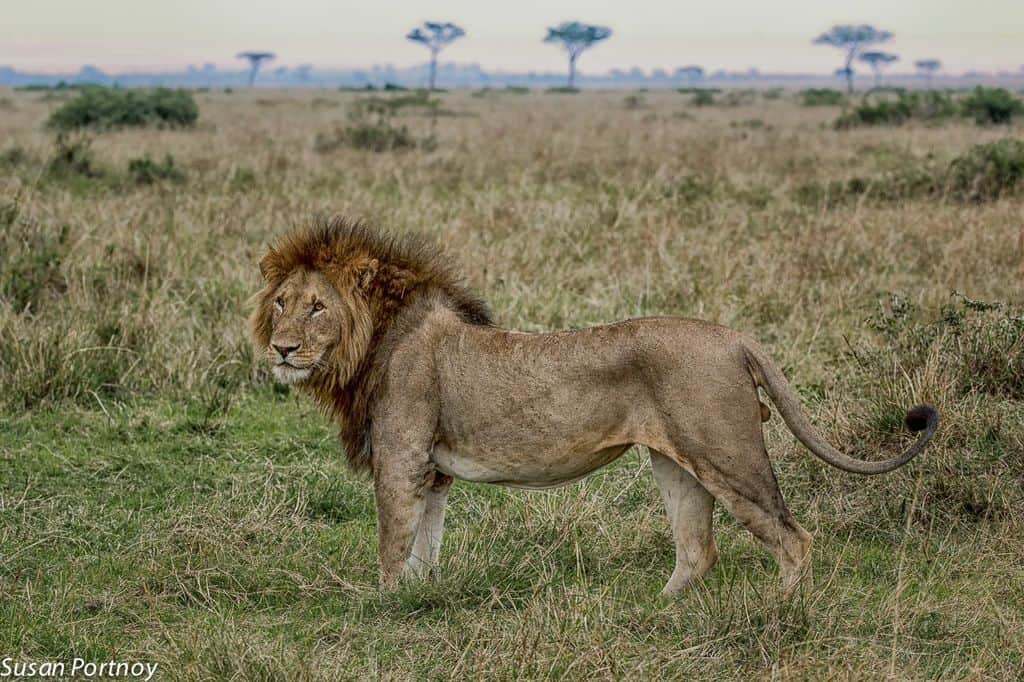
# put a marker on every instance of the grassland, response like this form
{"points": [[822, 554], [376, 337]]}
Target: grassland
{"points": [[160, 500]]}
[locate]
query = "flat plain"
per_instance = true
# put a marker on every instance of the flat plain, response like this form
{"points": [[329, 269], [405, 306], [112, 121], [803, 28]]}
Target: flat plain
{"points": [[162, 500]]}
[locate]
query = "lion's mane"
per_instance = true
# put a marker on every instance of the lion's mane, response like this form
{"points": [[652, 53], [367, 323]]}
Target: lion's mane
{"points": [[399, 278]]}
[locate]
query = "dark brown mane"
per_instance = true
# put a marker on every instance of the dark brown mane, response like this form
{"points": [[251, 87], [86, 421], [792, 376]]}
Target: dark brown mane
{"points": [[401, 278]]}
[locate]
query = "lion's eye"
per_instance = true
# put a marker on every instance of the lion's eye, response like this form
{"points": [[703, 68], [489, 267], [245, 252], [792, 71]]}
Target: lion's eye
{"points": [[279, 304], [318, 306]]}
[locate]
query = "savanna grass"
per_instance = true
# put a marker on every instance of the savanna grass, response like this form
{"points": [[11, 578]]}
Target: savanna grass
{"points": [[161, 500]]}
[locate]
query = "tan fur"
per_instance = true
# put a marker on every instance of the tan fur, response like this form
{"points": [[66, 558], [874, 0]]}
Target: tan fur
{"points": [[384, 336]]}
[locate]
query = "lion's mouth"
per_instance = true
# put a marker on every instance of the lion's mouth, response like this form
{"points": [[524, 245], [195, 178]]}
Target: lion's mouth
{"points": [[287, 373]]}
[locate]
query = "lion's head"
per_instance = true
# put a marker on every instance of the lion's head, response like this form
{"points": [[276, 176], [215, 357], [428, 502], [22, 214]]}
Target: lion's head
{"points": [[312, 320], [332, 291], [308, 317]]}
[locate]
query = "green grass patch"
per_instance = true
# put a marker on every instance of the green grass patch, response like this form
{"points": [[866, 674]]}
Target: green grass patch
{"points": [[250, 552]]}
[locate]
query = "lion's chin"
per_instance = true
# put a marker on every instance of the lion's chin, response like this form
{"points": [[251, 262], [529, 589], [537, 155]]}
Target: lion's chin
{"points": [[286, 374]]}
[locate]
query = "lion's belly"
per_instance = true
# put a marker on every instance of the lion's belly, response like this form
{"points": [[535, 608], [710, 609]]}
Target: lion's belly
{"points": [[523, 472]]}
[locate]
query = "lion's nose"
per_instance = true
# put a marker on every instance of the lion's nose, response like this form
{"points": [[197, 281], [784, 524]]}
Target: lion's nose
{"points": [[284, 351]]}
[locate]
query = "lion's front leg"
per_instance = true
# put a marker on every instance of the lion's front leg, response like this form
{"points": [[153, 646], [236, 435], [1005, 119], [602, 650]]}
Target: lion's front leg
{"points": [[426, 548], [401, 483]]}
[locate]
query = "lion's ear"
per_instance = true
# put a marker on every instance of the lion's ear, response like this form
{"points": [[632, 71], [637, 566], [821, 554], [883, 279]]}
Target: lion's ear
{"points": [[367, 272]]}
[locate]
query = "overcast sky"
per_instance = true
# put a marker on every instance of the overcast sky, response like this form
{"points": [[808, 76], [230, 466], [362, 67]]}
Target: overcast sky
{"points": [[772, 35]]}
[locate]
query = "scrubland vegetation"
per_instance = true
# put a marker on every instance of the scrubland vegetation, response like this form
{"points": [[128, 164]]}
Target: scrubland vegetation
{"points": [[162, 500]]}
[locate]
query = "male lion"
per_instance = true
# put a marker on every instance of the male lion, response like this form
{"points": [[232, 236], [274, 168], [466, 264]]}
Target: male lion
{"points": [[385, 337]]}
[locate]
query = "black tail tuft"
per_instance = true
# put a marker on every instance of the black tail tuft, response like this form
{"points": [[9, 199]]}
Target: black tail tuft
{"points": [[920, 417]]}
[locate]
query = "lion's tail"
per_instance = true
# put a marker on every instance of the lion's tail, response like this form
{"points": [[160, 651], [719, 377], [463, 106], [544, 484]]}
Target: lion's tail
{"points": [[923, 418]]}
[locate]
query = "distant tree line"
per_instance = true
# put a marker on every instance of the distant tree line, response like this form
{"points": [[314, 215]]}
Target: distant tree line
{"points": [[573, 36]]}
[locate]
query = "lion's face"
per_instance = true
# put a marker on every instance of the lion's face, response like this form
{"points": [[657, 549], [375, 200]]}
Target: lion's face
{"points": [[306, 322]]}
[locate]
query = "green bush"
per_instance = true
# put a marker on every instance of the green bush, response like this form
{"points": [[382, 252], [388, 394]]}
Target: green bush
{"points": [[146, 171], [105, 108], [380, 137], [372, 128], [703, 97], [984, 173], [988, 106], [738, 98], [633, 102], [30, 259], [821, 97], [988, 171], [912, 180], [12, 156], [884, 112], [73, 158], [387, 106], [894, 108], [979, 345]]}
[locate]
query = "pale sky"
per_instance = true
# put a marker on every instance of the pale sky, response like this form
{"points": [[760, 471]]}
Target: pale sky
{"points": [[772, 35]]}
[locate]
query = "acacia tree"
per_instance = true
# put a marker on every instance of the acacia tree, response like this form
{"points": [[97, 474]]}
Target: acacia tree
{"points": [[576, 37], [691, 73], [256, 60], [436, 36], [876, 60], [852, 39], [928, 67]]}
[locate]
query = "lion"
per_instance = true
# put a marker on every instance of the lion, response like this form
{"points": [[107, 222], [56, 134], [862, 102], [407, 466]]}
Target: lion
{"points": [[384, 335]]}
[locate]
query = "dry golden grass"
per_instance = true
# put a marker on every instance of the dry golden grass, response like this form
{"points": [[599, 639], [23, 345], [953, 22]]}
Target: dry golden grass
{"points": [[161, 502]]}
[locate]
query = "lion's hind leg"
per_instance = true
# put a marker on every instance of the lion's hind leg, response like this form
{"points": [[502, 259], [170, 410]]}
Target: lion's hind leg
{"points": [[746, 486], [689, 507]]}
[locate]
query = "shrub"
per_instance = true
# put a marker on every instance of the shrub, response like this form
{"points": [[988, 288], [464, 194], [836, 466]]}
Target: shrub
{"points": [[897, 107], [932, 105], [30, 259], [12, 156], [979, 345], [989, 106], [382, 107], [563, 90], [633, 102], [703, 98], [379, 137], [737, 98], [372, 128], [73, 158], [988, 171], [821, 97], [909, 181], [105, 108], [984, 173], [146, 171], [884, 112]]}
